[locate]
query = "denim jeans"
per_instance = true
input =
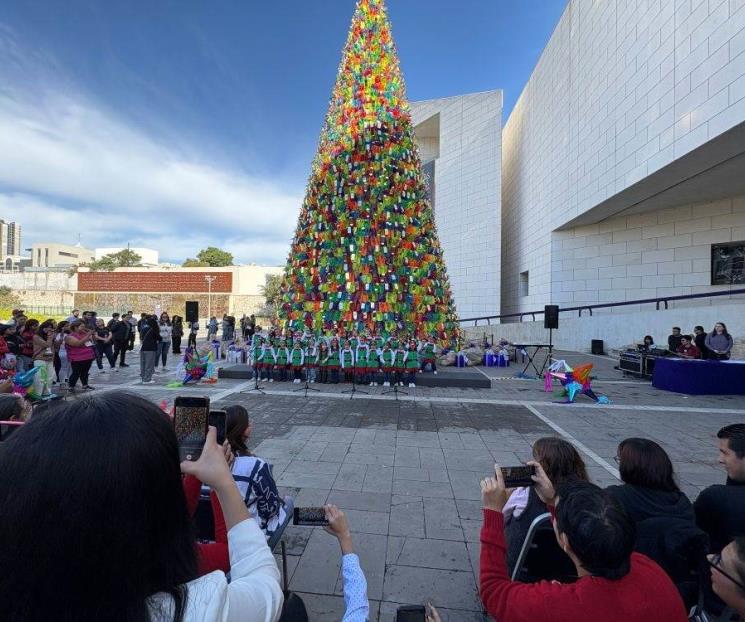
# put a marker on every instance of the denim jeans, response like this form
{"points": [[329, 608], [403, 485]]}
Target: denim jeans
{"points": [[163, 348]]}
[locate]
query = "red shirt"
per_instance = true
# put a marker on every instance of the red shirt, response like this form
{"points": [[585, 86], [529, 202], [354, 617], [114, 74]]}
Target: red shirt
{"points": [[213, 555], [645, 593], [690, 350]]}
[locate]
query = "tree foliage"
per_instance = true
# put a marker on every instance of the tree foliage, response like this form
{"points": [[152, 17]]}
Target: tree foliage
{"points": [[125, 258], [8, 298], [194, 263], [214, 257]]}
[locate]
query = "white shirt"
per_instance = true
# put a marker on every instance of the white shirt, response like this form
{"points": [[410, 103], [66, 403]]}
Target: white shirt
{"points": [[253, 594]]}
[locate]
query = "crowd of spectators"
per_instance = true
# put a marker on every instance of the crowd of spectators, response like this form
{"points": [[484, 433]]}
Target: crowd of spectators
{"points": [[102, 475]]}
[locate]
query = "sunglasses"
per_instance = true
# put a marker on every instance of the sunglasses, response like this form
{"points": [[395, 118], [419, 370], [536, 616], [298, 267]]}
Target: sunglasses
{"points": [[714, 563]]}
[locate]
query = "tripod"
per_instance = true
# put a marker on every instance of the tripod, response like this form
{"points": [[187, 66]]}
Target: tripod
{"points": [[306, 387], [256, 386], [395, 391], [354, 388]]}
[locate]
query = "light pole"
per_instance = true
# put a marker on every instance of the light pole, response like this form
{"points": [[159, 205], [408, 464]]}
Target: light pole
{"points": [[209, 279]]}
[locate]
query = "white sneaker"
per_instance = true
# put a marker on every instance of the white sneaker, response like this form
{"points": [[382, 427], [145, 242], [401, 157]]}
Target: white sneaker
{"points": [[386, 384], [400, 384], [147, 381], [411, 385], [435, 372], [296, 381], [271, 379], [164, 368]]}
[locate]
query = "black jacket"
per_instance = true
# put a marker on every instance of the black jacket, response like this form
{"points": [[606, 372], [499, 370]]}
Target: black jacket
{"points": [[149, 338], [119, 330], [720, 512], [666, 528]]}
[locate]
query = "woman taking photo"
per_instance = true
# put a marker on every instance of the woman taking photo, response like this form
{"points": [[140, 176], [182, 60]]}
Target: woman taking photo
{"points": [[252, 474], [118, 522], [719, 342], [81, 353], [166, 330]]}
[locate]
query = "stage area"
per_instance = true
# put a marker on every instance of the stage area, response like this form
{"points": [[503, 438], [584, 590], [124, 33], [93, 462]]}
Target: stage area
{"points": [[458, 377], [406, 471]]}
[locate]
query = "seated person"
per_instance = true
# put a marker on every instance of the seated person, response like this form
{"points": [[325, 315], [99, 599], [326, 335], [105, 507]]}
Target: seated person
{"points": [[719, 342], [647, 345], [728, 575], [663, 515], [673, 341], [355, 584], [562, 462], [615, 584], [720, 509], [252, 474], [118, 524], [687, 348]]}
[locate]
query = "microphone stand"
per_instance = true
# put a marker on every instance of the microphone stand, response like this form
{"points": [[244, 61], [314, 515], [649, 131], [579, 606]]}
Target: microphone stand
{"points": [[354, 390], [306, 387]]}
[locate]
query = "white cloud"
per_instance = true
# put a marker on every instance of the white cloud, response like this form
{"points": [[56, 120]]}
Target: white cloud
{"points": [[68, 167]]}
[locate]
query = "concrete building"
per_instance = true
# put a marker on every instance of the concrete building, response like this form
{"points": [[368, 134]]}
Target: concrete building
{"points": [[149, 255], [623, 171], [10, 239], [53, 255], [459, 141]]}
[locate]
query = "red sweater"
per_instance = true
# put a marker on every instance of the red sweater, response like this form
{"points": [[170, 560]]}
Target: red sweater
{"points": [[645, 593], [212, 556]]}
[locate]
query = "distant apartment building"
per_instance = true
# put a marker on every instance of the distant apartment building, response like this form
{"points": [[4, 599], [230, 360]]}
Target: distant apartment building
{"points": [[10, 238]]}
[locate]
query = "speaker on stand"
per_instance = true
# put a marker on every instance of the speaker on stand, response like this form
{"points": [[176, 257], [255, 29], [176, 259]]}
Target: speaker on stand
{"points": [[551, 321], [192, 311]]}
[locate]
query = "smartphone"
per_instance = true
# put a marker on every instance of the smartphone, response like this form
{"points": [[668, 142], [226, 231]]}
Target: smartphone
{"points": [[190, 421], [217, 419], [517, 476], [8, 427], [312, 517], [410, 613]]}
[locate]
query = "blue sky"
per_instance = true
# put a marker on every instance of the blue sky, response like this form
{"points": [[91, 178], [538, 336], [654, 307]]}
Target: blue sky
{"points": [[181, 124]]}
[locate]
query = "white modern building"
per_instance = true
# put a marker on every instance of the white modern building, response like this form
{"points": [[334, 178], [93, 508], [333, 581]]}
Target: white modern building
{"points": [[10, 239], [459, 141], [149, 255], [53, 255], [623, 172]]}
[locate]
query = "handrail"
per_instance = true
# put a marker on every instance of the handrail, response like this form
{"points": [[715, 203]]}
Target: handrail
{"points": [[606, 305]]}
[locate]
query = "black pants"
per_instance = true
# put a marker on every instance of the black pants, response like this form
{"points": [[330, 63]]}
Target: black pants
{"points": [[80, 370], [176, 342], [192, 340], [120, 351], [104, 349], [131, 341], [57, 365]]}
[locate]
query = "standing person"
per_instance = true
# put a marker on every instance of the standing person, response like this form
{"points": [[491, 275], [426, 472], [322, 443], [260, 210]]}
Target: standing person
{"points": [[130, 317], [103, 339], [700, 341], [193, 330], [177, 324], [166, 330], [673, 341], [149, 340], [81, 353], [719, 342], [44, 358], [61, 362], [141, 324], [120, 333], [251, 325], [75, 315], [26, 357], [212, 328]]}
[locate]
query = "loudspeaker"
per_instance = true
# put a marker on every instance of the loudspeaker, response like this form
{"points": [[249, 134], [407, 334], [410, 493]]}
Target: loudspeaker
{"points": [[192, 311], [551, 316], [596, 346]]}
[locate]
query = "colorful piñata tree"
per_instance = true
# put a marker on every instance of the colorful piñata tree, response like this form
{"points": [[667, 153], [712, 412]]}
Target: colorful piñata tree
{"points": [[365, 256]]}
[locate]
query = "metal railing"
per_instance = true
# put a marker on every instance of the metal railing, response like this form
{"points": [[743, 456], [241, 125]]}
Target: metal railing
{"points": [[661, 300]]}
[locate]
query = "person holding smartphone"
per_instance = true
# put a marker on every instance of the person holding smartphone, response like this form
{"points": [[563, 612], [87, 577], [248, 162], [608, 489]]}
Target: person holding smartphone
{"points": [[116, 558]]}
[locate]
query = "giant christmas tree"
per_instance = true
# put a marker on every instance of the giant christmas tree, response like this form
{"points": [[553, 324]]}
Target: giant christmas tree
{"points": [[365, 255]]}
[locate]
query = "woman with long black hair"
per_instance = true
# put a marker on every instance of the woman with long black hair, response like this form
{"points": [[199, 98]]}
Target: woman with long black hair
{"points": [[101, 529]]}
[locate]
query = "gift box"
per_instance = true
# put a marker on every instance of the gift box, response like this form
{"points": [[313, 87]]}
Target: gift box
{"points": [[461, 360]]}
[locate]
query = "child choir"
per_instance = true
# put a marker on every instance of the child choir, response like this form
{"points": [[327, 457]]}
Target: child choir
{"points": [[363, 359]]}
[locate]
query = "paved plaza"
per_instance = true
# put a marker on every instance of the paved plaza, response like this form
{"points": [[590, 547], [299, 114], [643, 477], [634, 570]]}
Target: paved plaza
{"points": [[406, 470]]}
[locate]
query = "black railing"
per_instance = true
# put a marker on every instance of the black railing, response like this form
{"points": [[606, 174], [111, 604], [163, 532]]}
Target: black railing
{"points": [[664, 300]]}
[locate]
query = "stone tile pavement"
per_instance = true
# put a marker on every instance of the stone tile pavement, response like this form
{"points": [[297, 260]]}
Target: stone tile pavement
{"points": [[406, 471]]}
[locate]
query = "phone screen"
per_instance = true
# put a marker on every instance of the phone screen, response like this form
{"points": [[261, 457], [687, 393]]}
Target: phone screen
{"points": [[217, 419], [518, 476], [190, 419], [309, 516], [410, 613], [7, 428]]}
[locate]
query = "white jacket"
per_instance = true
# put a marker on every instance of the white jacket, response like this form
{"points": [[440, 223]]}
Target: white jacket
{"points": [[166, 330], [253, 594]]}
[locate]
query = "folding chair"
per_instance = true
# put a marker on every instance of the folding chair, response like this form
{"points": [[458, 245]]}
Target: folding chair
{"points": [[541, 557]]}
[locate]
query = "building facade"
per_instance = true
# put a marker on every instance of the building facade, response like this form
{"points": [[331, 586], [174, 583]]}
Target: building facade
{"points": [[623, 171], [459, 140], [10, 243], [53, 255]]}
